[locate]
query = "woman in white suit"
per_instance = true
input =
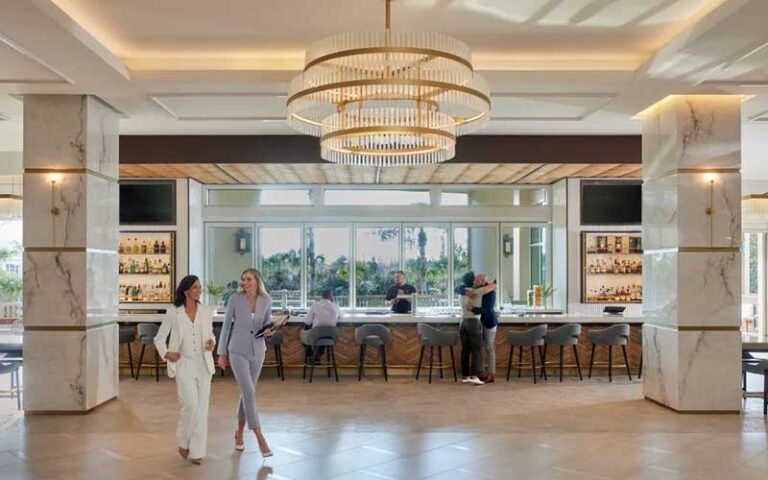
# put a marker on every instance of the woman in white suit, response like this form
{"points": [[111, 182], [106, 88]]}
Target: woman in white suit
{"points": [[190, 360]]}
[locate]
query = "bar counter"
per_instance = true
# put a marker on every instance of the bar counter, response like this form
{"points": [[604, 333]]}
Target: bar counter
{"points": [[403, 351]]}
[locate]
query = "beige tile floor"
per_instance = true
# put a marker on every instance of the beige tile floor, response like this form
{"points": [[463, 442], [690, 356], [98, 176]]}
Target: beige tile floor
{"points": [[398, 430]]}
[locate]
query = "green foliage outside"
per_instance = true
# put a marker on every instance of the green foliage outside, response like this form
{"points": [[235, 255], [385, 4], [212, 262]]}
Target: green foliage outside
{"points": [[11, 284]]}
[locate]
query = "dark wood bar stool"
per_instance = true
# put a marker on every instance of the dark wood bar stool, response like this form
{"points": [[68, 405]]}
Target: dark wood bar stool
{"points": [[374, 336], [615, 335], [276, 341], [431, 337], [147, 333], [126, 337], [563, 337], [320, 337], [533, 337]]}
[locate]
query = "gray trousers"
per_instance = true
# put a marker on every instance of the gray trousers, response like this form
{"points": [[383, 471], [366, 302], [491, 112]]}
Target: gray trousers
{"points": [[247, 370], [489, 343]]}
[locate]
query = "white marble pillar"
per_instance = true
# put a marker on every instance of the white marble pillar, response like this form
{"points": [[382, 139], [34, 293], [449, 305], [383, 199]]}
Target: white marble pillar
{"points": [[691, 237], [70, 259]]}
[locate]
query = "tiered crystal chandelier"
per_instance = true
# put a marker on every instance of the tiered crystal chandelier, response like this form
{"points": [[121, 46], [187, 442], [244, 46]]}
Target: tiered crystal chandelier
{"points": [[388, 98]]}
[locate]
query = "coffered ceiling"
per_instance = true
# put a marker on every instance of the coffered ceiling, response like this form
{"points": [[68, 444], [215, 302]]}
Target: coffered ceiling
{"points": [[554, 66]]}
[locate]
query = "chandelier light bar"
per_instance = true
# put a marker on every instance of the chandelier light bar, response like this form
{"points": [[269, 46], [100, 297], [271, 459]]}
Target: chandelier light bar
{"points": [[388, 98]]}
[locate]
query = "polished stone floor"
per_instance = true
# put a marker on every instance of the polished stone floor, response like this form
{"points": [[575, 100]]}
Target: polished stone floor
{"points": [[398, 430]]}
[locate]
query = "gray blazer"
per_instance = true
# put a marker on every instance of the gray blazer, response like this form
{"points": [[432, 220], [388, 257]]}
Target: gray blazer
{"points": [[237, 333]]}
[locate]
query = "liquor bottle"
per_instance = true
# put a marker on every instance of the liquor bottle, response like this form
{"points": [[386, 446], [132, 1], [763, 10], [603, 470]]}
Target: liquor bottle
{"points": [[120, 268], [618, 244], [146, 266], [163, 248], [166, 268], [121, 248], [156, 247]]}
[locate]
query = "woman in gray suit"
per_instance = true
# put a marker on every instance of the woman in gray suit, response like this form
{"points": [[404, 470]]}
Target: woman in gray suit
{"points": [[242, 346]]}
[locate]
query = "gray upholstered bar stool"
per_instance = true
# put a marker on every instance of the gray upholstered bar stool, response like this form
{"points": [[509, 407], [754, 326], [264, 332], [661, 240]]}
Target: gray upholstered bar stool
{"points": [[373, 335], [563, 337], [615, 335], [147, 333], [126, 337], [324, 336], [276, 341], [432, 337], [533, 337], [757, 366]]}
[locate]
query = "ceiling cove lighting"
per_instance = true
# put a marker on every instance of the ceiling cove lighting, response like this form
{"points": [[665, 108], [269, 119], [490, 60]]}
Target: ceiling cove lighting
{"points": [[388, 98]]}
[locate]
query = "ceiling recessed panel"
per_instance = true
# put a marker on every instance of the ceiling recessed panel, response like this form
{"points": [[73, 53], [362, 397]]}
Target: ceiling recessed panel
{"points": [[546, 107], [222, 107], [17, 66]]}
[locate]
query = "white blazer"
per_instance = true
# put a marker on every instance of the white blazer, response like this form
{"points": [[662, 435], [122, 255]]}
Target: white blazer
{"points": [[170, 326]]}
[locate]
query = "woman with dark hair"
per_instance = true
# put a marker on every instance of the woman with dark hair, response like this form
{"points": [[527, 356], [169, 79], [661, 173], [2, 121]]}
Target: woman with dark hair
{"points": [[242, 345], [190, 361]]}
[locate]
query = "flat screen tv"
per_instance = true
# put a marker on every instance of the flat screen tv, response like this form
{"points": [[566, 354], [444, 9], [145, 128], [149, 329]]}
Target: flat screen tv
{"points": [[611, 203], [147, 202]]}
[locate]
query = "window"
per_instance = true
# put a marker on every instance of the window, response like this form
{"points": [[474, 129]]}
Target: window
{"points": [[376, 261], [523, 262], [426, 264], [475, 249], [327, 257], [280, 255], [233, 198], [230, 252], [285, 197], [451, 199], [750, 282], [377, 197]]}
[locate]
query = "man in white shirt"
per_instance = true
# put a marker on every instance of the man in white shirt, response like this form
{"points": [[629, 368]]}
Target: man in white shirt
{"points": [[323, 313]]}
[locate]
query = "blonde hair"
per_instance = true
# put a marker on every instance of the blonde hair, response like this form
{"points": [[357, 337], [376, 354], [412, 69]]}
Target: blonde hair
{"points": [[261, 290]]}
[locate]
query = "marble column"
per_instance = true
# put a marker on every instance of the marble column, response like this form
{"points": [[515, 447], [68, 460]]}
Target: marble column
{"points": [[70, 258], [691, 237]]}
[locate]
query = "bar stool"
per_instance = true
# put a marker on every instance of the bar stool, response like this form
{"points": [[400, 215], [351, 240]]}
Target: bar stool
{"points": [[276, 341], [563, 336], [431, 337], [126, 337], [147, 333], [373, 335], [217, 335], [613, 335], [324, 336], [533, 337], [757, 366], [13, 370]]}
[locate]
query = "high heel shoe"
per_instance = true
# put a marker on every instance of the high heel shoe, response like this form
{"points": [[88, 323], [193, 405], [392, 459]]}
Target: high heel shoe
{"points": [[239, 446], [267, 454]]}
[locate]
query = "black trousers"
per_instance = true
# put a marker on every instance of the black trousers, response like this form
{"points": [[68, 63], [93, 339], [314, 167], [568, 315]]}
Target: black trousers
{"points": [[471, 333]]}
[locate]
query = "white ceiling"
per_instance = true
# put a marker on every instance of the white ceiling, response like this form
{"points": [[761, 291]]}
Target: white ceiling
{"points": [[554, 66]]}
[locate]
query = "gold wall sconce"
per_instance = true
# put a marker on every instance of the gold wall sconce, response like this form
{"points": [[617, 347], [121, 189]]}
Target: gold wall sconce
{"points": [[54, 178], [710, 210]]}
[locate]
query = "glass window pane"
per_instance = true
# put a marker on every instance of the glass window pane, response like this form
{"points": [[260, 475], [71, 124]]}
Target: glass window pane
{"points": [[229, 253], [426, 264], [285, 197], [475, 249], [750, 283], [450, 199], [378, 258], [280, 254], [328, 263], [232, 198], [377, 197]]}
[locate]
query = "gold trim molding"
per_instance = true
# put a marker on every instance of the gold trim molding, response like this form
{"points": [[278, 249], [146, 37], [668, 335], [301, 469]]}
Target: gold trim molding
{"points": [[651, 251], [67, 328], [86, 171], [68, 250], [696, 328]]}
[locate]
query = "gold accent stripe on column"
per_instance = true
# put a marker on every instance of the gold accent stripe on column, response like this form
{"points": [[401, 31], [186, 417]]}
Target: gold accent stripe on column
{"points": [[11, 196], [697, 328], [709, 170], [693, 412], [87, 171], [67, 328], [68, 249], [694, 250]]}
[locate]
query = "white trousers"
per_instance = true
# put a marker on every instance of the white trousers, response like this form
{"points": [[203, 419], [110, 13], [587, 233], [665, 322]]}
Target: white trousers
{"points": [[193, 383]]}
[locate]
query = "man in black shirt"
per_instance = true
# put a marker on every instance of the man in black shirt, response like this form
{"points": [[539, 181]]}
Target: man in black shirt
{"points": [[400, 305]]}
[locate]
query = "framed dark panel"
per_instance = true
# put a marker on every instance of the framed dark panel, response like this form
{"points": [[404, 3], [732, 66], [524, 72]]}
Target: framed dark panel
{"points": [[146, 202], [611, 202]]}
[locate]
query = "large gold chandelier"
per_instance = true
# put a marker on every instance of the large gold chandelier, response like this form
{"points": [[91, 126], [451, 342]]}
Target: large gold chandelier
{"points": [[388, 98]]}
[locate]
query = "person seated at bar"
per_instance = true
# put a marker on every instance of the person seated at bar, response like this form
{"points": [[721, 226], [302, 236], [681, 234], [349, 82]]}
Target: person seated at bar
{"points": [[324, 312], [394, 294]]}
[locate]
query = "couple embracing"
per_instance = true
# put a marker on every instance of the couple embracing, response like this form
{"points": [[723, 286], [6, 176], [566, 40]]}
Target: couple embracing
{"points": [[478, 328]]}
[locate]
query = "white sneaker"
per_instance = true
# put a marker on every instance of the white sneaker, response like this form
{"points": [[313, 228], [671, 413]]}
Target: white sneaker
{"points": [[475, 381], [465, 380]]}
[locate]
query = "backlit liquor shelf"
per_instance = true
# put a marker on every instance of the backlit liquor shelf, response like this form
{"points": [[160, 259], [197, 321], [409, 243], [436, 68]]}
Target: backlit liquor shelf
{"points": [[146, 267], [612, 267]]}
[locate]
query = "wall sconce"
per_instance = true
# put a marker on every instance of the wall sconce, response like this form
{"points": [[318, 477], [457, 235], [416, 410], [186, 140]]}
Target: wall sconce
{"points": [[710, 210], [54, 178], [507, 244], [242, 241]]}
